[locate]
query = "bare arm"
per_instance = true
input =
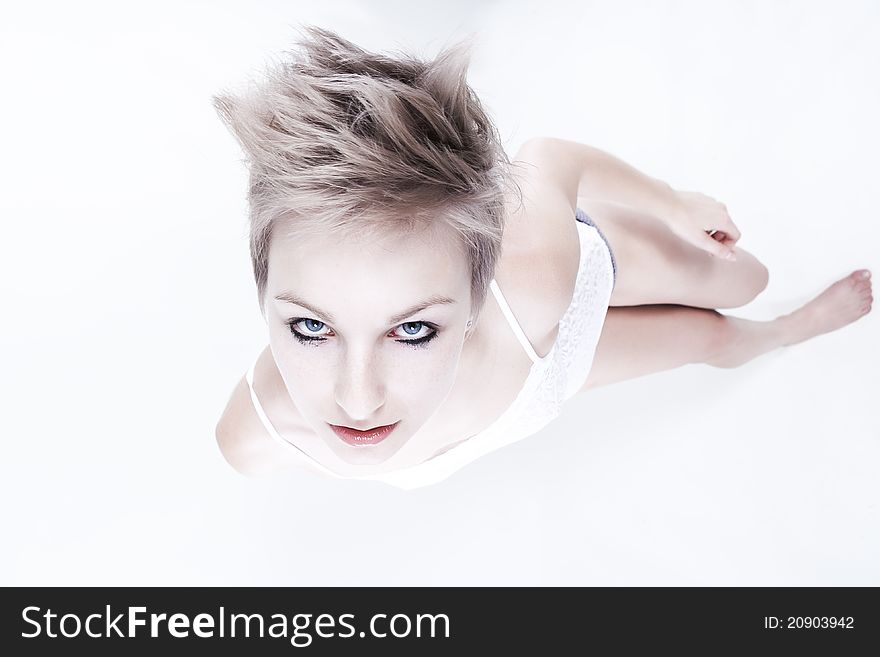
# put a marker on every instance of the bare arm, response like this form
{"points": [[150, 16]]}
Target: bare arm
{"points": [[584, 171], [590, 172]]}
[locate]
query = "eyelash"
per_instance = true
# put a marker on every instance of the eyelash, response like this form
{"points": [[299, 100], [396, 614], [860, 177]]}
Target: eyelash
{"points": [[311, 339]]}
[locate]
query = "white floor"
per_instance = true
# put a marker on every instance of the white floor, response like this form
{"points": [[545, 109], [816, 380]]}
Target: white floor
{"points": [[129, 309]]}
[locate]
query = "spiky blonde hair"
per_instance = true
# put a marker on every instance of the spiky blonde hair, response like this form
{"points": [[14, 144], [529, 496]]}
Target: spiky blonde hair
{"points": [[340, 139]]}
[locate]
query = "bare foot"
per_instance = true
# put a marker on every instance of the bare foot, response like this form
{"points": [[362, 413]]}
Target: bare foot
{"points": [[840, 304]]}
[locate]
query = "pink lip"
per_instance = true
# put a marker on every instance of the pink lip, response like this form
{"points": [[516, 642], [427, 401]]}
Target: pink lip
{"points": [[357, 438]]}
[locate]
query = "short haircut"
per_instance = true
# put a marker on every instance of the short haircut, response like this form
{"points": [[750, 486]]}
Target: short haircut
{"points": [[340, 139]]}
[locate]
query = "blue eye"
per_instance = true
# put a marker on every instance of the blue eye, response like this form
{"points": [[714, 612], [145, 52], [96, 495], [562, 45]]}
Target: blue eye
{"points": [[313, 325], [418, 325], [313, 321], [408, 329]]}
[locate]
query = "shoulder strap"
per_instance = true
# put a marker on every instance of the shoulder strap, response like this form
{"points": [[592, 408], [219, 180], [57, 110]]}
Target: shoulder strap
{"points": [[258, 407], [517, 329]]}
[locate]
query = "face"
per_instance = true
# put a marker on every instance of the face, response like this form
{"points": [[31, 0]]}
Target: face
{"points": [[368, 332]]}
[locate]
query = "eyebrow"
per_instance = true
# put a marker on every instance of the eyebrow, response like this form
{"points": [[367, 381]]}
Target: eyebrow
{"points": [[434, 300]]}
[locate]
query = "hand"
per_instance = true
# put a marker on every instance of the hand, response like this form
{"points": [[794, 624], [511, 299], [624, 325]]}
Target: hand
{"points": [[702, 221]]}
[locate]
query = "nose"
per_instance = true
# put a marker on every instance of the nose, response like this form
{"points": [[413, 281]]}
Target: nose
{"points": [[359, 390]]}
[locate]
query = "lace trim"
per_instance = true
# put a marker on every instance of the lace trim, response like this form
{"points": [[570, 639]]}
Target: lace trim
{"points": [[563, 374]]}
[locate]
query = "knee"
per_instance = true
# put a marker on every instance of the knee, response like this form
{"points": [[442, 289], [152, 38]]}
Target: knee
{"points": [[759, 277], [762, 277], [751, 281]]}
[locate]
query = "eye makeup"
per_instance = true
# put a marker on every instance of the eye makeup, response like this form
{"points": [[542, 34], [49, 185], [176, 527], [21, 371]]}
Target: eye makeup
{"points": [[315, 340]]}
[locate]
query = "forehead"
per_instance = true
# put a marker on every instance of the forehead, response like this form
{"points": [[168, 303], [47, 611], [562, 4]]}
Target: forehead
{"points": [[362, 264]]}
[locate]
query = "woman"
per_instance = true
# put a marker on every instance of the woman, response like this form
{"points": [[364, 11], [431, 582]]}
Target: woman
{"points": [[429, 301]]}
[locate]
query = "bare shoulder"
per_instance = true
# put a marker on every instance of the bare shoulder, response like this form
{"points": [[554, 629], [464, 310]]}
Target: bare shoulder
{"points": [[545, 185], [234, 432], [541, 248], [242, 438]]}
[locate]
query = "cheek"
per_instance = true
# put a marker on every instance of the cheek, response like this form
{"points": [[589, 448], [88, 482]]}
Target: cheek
{"points": [[303, 371], [305, 375], [428, 375]]}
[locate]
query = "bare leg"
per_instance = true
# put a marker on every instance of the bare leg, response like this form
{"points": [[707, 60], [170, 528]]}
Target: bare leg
{"points": [[640, 340], [655, 266], [840, 304]]}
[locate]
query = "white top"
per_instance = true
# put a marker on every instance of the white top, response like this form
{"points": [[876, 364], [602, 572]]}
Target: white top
{"points": [[551, 381]]}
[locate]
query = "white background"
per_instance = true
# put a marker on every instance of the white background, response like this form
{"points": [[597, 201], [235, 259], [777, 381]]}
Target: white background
{"points": [[129, 309]]}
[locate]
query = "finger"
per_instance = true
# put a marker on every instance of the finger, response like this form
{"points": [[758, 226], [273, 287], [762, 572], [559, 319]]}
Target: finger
{"points": [[731, 229], [723, 238], [717, 249]]}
